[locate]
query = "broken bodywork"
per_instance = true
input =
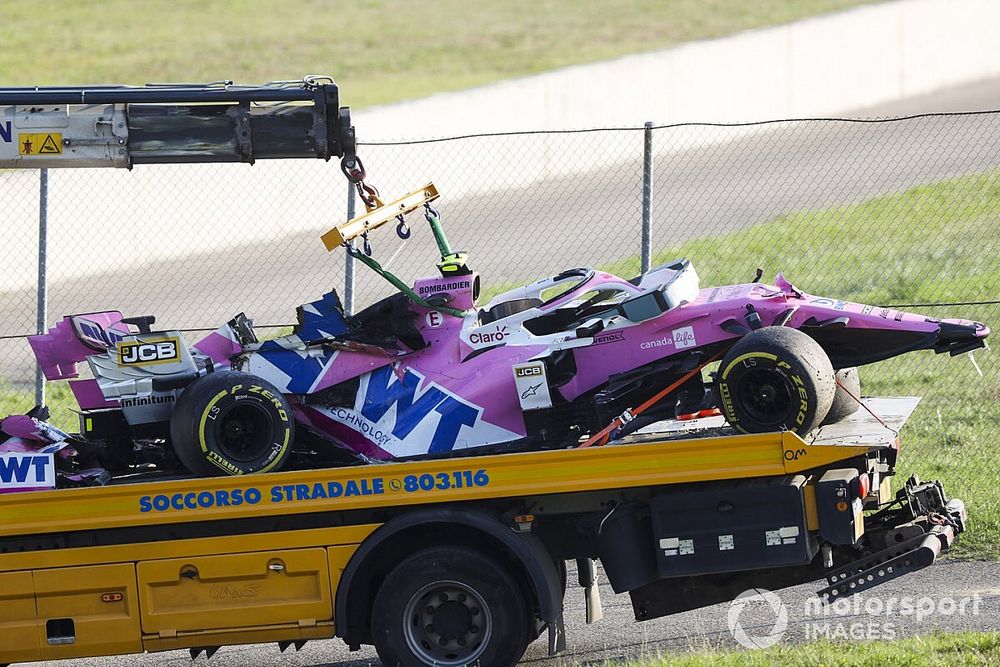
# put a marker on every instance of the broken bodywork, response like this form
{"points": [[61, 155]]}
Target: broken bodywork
{"points": [[427, 372]]}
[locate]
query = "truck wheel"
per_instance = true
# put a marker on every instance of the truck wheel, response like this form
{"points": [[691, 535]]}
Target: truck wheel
{"points": [[844, 404], [775, 379], [230, 423], [450, 607]]}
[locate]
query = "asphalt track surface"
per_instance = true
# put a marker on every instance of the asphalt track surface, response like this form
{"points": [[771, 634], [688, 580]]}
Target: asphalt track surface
{"points": [[935, 598], [959, 146]]}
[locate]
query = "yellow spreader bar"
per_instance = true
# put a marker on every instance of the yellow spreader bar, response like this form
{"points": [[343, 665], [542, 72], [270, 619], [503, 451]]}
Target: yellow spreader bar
{"points": [[354, 228], [416, 483]]}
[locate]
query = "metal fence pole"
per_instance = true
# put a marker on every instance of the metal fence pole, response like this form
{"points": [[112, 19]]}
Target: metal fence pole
{"points": [[42, 307], [349, 263], [647, 189]]}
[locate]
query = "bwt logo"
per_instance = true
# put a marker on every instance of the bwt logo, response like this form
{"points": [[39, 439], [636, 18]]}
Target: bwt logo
{"points": [[134, 353], [412, 404], [22, 470]]}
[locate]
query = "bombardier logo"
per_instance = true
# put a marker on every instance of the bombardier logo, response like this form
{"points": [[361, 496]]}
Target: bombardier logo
{"points": [[444, 287], [145, 353]]}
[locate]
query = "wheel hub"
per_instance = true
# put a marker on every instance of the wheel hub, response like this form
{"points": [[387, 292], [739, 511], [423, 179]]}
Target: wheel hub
{"points": [[447, 624], [241, 430], [765, 395]]}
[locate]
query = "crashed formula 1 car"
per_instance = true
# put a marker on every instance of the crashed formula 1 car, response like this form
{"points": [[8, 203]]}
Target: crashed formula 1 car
{"points": [[426, 372]]}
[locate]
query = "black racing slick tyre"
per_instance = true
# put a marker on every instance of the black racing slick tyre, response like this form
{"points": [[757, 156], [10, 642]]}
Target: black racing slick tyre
{"points": [[845, 397], [450, 606], [230, 423], [775, 379]]}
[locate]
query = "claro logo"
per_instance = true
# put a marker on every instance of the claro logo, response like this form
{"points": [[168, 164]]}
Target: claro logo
{"points": [[495, 337]]}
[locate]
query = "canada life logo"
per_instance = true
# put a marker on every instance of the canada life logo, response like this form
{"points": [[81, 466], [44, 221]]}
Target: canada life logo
{"points": [[684, 337]]}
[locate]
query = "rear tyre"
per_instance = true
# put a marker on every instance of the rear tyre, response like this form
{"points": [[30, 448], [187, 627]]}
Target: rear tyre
{"points": [[775, 379], [230, 423], [450, 607], [845, 396]]}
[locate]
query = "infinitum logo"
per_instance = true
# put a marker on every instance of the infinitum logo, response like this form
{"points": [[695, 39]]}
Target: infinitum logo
{"points": [[757, 609]]}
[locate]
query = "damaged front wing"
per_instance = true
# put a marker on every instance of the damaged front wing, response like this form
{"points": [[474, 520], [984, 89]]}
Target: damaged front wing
{"points": [[918, 526]]}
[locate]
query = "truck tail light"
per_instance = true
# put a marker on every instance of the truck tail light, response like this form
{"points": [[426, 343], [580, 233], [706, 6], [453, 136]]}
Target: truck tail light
{"points": [[862, 486]]}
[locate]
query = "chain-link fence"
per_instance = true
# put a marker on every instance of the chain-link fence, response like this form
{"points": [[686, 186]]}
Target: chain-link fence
{"points": [[897, 212]]}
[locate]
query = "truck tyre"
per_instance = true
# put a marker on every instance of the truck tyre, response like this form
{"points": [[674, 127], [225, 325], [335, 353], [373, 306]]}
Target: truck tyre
{"points": [[844, 403], [450, 607], [230, 423], [775, 379]]}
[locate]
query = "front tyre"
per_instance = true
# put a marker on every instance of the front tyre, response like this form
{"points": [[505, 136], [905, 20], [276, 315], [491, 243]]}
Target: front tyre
{"points": [[450, 607], [230, 423], [775, 379]]}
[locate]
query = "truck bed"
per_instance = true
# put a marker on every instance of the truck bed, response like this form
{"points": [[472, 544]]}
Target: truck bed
{"points": [[880, 419], [679, 452]]}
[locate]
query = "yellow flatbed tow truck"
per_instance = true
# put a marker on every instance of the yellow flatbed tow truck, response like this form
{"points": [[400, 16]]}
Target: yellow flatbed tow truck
{"points": [[441, 561], [435, 561]]}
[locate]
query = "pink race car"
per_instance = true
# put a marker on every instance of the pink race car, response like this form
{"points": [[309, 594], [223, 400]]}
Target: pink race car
{"points": [[428, 372]]}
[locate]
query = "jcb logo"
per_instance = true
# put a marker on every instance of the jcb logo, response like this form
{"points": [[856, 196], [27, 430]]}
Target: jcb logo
{"points": [[527, 371], [144, 353]]}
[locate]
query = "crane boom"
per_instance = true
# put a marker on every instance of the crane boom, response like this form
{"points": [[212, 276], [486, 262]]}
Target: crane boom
{"points": [[121, 126]]}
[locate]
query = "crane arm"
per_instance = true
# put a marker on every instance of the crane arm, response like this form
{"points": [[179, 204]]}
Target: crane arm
{"points": [[121, 126]]}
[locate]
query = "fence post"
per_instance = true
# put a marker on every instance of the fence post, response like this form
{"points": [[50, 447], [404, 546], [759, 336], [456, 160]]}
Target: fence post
{"points": [[349, 263], [42, 288], [647, 188]]}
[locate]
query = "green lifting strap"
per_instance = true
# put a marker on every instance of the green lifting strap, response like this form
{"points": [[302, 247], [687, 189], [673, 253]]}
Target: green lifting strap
{"points": [[401, 286]]}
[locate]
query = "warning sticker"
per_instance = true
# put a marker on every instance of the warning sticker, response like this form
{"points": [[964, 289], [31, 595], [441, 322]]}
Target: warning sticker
{"points": [[45, 143]]}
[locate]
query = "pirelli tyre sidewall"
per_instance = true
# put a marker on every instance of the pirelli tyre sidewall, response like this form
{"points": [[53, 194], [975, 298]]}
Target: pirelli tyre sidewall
{"points": [[774, 379], [231, 423], [846, 396]]}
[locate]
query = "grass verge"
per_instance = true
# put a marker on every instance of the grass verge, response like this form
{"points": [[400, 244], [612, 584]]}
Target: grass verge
{"points": [[935, 243], [379, 51], [944, 650]]}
